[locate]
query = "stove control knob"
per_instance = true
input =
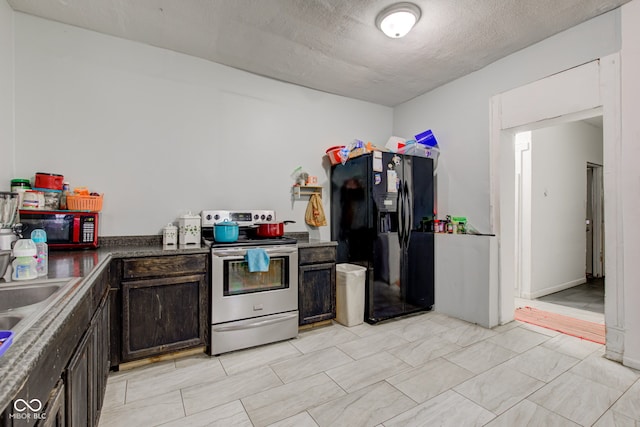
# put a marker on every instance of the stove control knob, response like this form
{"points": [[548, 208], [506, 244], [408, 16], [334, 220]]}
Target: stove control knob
{"points": [[256, 217], [262, 217], [216, 217], [209, 217], [269, 218]]}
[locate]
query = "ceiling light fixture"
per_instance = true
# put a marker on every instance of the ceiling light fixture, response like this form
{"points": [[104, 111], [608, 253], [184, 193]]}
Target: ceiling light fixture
{"points": [[398, 19]]}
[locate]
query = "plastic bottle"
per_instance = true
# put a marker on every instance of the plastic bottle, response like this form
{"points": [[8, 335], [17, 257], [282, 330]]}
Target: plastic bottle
{"points": [[449, 225], [39, 237], [25, 264], [63, 197]]}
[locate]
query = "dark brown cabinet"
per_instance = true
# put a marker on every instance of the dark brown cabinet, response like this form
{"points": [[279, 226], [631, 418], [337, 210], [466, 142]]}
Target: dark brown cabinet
{"points": [[164, 305], [55, 409], [78, 388], [66, 387], [86, 374], [316, 284]]}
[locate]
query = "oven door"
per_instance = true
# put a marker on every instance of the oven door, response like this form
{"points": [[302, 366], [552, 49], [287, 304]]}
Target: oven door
{"points": [[239, 294]]}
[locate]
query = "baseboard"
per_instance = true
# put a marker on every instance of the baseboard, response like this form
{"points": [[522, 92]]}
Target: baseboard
{"points": [[319, 324], [553, 289], [631, 363], [169, 356]]}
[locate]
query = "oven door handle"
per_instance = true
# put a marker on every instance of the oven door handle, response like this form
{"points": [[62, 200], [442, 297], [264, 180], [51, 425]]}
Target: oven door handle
{"points": [[243, 252], [257, 323]]}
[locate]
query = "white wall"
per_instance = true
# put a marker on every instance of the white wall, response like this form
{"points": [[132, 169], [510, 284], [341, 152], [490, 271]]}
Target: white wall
{"points": [[458, 113], [559, 157], [161, 133], [6, 95], [630, 178]]}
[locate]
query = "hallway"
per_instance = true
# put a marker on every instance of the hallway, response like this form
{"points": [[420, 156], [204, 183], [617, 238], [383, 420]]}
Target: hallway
{"points": [[588, 296], [585, 301]]}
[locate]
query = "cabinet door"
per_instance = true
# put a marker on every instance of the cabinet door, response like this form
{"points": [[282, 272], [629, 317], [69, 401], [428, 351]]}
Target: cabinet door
{"points": [[317, 292], [78, 391], [55, 408], [162, 315], [86, 374], [102, 352], [115, 327]]}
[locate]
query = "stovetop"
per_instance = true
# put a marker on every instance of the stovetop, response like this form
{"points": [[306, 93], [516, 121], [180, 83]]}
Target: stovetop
{"points": [[245, 239], [246, 221], [251, 242]]}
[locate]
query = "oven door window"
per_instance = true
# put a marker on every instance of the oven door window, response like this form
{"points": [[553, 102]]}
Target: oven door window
{"points": [[239, 280]]}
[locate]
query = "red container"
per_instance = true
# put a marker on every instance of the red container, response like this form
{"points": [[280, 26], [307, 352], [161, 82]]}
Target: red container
{"points": [[51, 181], [271, 229], [334, 154]]}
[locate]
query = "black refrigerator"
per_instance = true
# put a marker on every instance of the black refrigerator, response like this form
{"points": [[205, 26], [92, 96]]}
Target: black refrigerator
{"points": [[381, 207]]}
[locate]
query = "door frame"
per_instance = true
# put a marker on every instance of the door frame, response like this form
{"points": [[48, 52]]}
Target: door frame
{"points": [[578, 93]]}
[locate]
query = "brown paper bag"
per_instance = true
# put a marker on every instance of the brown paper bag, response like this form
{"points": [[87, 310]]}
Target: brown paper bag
{"points": [[314, 215]]}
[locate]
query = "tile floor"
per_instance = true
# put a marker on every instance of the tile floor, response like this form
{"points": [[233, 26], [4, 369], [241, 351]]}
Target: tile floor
{"points": [[587, 296], [427, 369]]}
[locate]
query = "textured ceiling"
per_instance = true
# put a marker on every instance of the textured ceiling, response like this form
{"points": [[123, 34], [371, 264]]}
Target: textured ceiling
{"points": [[331, 45]]}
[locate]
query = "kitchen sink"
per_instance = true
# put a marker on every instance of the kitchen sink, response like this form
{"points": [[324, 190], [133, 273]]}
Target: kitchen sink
{"points": [[9, 321], [20, 296], [23, 303]]}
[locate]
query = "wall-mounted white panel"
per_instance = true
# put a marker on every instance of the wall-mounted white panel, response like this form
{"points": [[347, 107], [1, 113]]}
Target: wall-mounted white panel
{"points": [[466, 278]]}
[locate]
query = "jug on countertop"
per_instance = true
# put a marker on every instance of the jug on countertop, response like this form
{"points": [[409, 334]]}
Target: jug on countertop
{"points": [[189, 229]]}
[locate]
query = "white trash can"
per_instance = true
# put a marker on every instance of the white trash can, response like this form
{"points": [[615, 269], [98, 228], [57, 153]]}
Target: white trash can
{"points": [[350, 294]]}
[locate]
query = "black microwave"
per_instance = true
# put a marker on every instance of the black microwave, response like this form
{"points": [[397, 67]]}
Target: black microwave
{"points": [[65, 229]]}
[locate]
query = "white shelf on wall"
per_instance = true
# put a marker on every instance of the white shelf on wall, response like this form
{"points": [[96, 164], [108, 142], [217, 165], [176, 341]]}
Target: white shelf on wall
{"points": [[306, 190]]}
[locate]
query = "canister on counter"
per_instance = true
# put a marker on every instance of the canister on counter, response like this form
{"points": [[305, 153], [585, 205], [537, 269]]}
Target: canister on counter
{"points": [[189, 229], [170, 235]]}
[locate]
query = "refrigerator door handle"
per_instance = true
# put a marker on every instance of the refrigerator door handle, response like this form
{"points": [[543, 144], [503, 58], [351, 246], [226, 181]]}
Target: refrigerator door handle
{"points": [[408, 213], [400, 208]]}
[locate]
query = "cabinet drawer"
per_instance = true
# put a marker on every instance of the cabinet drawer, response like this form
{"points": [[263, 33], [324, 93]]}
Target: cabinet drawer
{"points": [[178, 265], [317, 255]]}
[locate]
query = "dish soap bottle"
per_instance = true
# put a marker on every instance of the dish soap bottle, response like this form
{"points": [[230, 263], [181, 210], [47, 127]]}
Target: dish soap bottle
{"points": [[39, 237], [25, 264]]}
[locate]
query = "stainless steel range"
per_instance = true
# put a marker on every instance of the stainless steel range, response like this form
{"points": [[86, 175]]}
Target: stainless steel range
{"points": [[250, 309]]}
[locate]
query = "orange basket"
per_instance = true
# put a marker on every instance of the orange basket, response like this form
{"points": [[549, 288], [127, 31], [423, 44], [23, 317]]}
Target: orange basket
{"points": [[84, 203]]}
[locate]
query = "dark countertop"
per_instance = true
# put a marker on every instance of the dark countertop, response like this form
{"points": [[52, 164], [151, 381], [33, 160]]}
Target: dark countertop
{"points": [[313, 243], [85, 265]]}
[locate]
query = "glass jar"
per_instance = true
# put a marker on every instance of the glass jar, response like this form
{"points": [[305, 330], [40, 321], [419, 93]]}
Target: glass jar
{"points": [[20, 184]]}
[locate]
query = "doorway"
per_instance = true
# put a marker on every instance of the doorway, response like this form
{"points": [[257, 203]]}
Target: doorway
{"points": [[555, 184], [583, 92]]}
